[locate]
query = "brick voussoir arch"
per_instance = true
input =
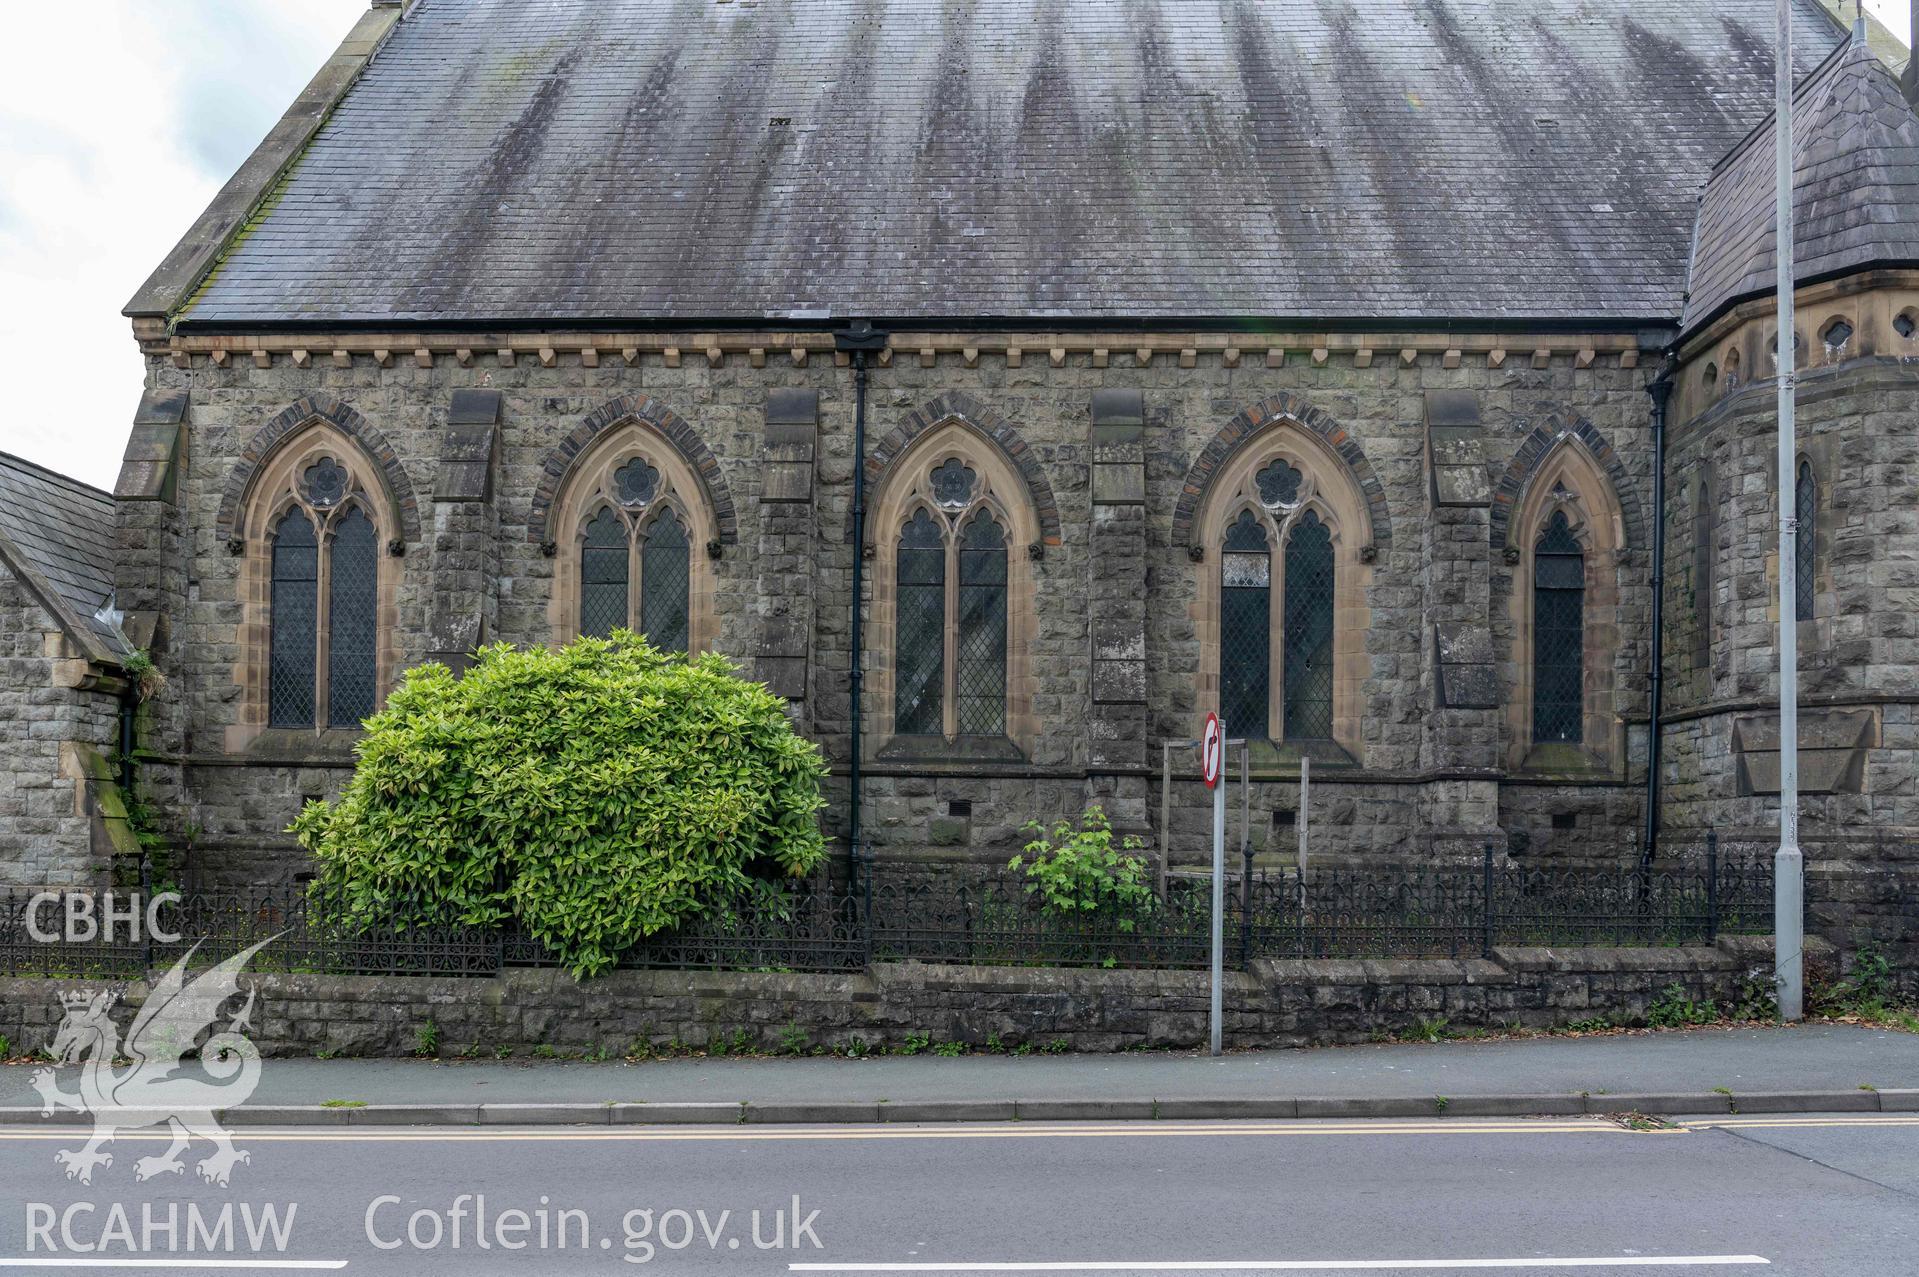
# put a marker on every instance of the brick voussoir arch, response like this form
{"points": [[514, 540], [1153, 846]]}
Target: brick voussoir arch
{"points": [[671, 426], [1532, 454], [288, 423], [1250, 422], [958, 406]]}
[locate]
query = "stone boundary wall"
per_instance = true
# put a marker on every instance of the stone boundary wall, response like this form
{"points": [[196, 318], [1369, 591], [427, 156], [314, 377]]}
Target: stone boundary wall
{"points": [[1283, 1003]]}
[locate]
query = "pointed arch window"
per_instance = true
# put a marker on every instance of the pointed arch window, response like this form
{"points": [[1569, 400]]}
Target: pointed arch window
{"points": [[1245, 628], [950, 589], [1308, 667], [1302, 648], [315, 535], [1806, 542], [1559, 635], [634, 509]]}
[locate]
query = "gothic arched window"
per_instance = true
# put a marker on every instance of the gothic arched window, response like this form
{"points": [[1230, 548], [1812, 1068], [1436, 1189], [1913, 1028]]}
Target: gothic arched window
{"points": [[950, 591], [1281, 619], [1559, 635], [1806, 544], [953, 534], [294, 612], [1308, 668], [320, 519], [1245, 628], [633, 507]]}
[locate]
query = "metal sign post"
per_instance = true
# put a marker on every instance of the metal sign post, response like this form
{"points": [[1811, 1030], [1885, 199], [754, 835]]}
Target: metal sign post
{"points": [[1212, 757]]}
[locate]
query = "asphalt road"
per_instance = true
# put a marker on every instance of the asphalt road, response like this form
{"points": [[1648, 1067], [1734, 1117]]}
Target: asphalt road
{"points": [[1832, 1195]]}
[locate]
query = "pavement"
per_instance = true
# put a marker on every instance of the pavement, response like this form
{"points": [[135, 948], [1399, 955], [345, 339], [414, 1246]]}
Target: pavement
{"points": [[1803, 1196], [1806, 1068]]}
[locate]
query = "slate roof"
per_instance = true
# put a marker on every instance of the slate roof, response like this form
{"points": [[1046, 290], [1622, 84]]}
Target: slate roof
{"points": [[1855, 182], [56, 535], [577, 160]]}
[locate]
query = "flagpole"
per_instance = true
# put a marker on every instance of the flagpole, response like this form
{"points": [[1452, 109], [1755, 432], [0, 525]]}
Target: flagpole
{"points": [[1788, 863]]}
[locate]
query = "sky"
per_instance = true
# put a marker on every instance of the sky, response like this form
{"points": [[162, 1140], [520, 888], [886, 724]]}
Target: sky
{"points": [[110, 146]]}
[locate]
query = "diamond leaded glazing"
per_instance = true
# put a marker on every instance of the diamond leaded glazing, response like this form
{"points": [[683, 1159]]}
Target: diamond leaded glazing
{"points": [[665, 574], [1307, 669], [603, 575], [981, 688], [294, 619], [1805, 500], [1559, 635], [1245, 628], [352, 603], [920, 659]]}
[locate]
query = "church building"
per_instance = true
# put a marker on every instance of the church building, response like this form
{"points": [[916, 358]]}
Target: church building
{"points": [[1395, 378]]}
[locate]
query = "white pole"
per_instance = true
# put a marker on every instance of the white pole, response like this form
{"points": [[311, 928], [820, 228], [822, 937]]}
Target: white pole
{"points": [[1305, 808], [1219, 903], [1788, 902]]}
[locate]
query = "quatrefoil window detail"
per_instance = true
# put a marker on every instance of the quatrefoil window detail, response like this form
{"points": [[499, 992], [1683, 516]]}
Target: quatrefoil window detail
{"points": [[953, 484], [324, 483], [636, 483], [1278, 484]]}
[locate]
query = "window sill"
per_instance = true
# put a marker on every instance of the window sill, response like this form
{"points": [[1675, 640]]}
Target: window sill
{"points": [[1563, 759], [297, 745], [961, 749], [1284, 756]]}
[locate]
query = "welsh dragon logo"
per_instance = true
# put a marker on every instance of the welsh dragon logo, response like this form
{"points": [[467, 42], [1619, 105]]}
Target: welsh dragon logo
{"points": [[152, 1092]]}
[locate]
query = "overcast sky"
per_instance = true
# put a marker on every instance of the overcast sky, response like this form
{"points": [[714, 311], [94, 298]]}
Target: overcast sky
{"points": [[113, 136]]}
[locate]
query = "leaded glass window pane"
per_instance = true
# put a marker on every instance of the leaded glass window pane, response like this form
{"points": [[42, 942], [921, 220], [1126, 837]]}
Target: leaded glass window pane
{"points": [[664, 575], [352, 604], [603, 571], [981, 690], [1308, 660], [294, 622], [920, 661], [1245, 628], [1806, 545], [1559, 636]]}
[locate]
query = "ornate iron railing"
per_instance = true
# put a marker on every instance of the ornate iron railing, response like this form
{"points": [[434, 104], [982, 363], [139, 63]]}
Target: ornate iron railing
{"points": [[1359, 912]]}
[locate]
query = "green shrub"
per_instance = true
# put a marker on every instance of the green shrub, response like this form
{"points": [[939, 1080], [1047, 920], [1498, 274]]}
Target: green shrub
{"points": [[597, 793], [1078, 871], [1675, 1008]]}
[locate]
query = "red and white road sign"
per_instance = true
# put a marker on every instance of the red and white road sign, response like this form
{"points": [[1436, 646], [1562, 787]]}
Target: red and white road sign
{"points": [[1212, 751]]}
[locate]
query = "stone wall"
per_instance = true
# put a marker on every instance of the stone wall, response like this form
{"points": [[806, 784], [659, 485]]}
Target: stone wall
{"points": [[1858, 424], [1274, 1004], [54, 766], [1413, 787]]}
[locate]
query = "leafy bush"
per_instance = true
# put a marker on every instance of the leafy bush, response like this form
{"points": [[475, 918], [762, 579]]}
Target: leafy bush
{"points": [[1078, 871], [596, 793], [1675, 1009]]}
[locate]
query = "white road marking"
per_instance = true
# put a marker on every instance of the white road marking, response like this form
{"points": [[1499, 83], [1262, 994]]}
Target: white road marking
{"points": [[242, 1265], [1295, 1265], [877, 1131]]}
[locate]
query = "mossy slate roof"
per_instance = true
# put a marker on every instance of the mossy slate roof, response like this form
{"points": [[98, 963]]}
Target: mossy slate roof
{"points": [[1855, 189], [579, 160], [56, 535]]}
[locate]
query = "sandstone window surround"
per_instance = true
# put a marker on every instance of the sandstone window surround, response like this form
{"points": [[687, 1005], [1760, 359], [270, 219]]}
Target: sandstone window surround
{"points": [[1569, 518], [952, 602], [1282, 612], [630, 520], [319, 579]]}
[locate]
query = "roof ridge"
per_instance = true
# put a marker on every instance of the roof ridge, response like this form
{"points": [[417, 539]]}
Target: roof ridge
{"points": [[1765, 126], [67, 480]]}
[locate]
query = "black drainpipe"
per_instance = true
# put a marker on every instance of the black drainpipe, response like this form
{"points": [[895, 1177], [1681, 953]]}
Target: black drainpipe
{"points": [[858, 340], [1660, 390]]}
